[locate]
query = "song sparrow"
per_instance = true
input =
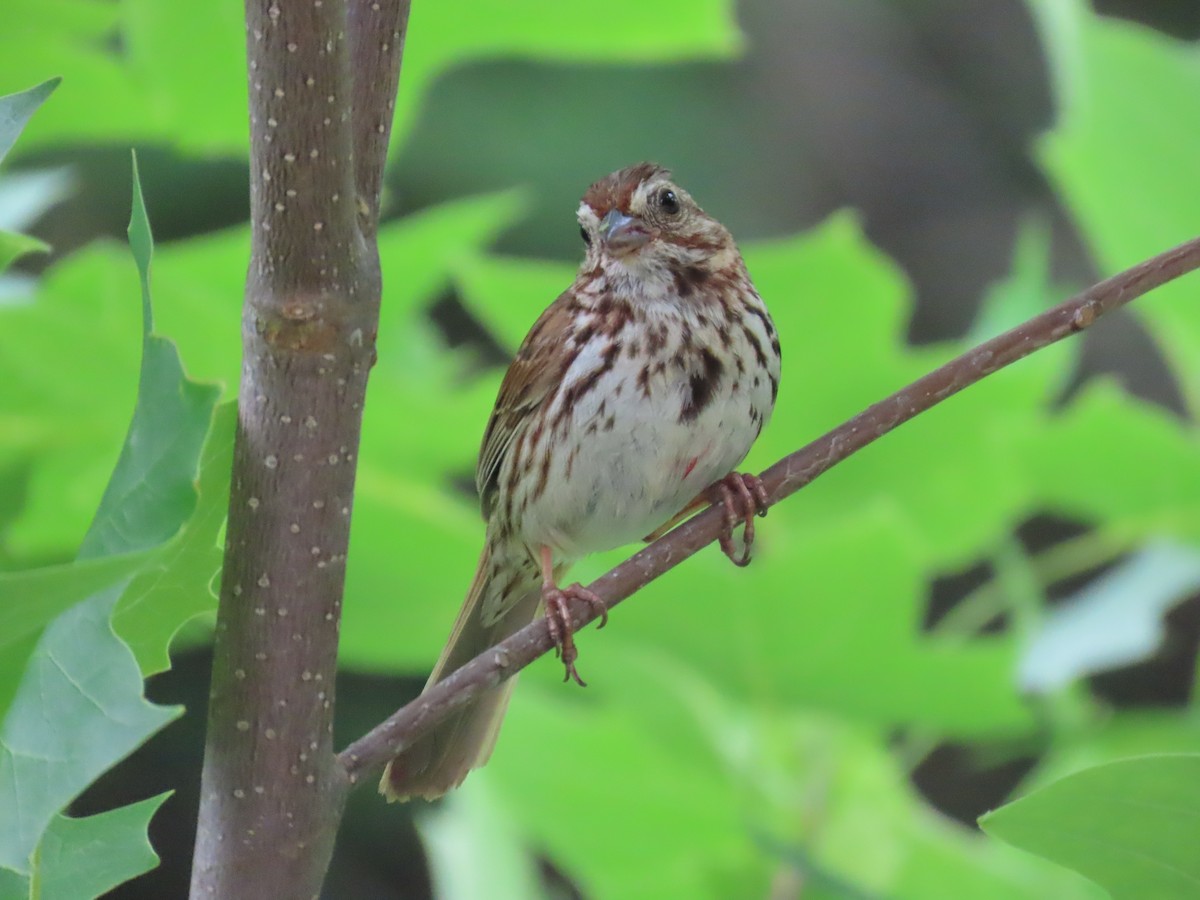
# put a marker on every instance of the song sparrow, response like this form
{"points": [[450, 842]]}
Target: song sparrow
{"points": [[630, 402]]}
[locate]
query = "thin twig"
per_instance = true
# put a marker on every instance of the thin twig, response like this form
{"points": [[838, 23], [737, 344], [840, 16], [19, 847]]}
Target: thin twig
{"points": [[787, 476]]}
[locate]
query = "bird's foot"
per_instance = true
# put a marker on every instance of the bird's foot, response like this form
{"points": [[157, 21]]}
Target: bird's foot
{"points": [[754, 502], [562, 631]]}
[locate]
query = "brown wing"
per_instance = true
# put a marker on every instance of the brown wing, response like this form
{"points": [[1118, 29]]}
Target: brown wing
{"points": [[539, 367]]}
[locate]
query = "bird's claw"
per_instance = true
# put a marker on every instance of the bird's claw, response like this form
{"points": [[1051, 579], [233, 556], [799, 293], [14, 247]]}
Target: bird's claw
{"points": [[754, 502], [562, 631]]}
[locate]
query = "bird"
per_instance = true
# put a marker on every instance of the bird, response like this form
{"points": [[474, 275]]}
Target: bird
{"points": [[628, 405]]}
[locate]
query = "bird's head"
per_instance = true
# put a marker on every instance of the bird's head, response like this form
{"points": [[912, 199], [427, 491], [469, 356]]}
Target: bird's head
{"points": [[637, 221]]}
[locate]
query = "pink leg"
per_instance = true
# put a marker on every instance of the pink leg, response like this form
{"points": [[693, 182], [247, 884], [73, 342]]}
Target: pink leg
{"points": [[558, 614], [754, 500]]}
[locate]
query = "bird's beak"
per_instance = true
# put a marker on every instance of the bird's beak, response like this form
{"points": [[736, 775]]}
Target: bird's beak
{"points": [[622, 234]]}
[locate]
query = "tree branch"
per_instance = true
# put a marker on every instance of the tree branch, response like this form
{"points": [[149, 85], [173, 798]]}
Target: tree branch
{"points": [[370, 752], [271, 791], [377, 32]]}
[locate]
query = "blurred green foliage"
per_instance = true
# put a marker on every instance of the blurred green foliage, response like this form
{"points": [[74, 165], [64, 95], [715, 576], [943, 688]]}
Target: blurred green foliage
{"points": [[740, 734], [1130, 811]]}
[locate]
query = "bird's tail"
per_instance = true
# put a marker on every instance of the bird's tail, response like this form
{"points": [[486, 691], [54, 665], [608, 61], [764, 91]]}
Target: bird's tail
{"points": [[440, 760]]}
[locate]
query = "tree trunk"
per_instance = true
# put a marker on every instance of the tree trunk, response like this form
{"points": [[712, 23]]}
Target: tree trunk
{"points": [[322, 86]]}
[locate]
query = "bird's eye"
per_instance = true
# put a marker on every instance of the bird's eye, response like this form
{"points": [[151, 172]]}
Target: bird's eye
{"points": [[668, 202], [587, 238]]}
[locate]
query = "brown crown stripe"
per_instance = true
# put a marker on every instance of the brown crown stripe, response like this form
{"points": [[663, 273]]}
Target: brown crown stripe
{"points": [[616, 190]]}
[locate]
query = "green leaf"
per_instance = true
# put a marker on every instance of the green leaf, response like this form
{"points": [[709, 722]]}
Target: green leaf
{"points": [[1104, 127], [846, 334], [79, 706], [690, 792], [629, 32], [141, 245], [86, 857], [33, 598], [13, 886], [16, 110], [150, 503], [167, 586], [1122, 157], [198, 289], [424, 249], [1145, 483], [1132, 826], [60, 418], [151, 491], [69, 363], [78, 709], [123, 97], [180, 77], [1119, 735], [670, 29], [13, 246], [1027, 291], [191, 70], [807, 624], [666, 835], [199, 285], [177, 582], [509, 293]]}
